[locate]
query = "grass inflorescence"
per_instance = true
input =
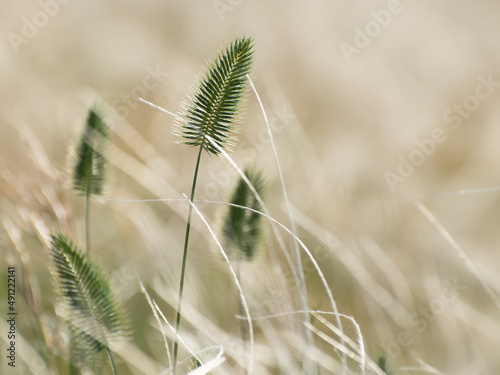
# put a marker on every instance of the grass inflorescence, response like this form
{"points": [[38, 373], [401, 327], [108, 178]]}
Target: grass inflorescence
{"points": [[90, 164], [211, 113], [92, 313], [242, 226]]}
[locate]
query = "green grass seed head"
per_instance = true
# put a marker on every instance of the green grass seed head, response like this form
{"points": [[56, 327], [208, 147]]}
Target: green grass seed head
{"points": [[92, 312], [212, 111], [89, 168], [242, 228]]}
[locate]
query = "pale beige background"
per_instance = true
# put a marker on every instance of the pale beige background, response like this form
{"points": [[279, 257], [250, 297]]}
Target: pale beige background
{"points": [[342, 125]]}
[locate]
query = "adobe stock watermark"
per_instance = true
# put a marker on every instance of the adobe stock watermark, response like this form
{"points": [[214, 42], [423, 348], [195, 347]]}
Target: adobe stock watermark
{"points": [[454, 117], [421, 319], [223, 6], [31, 26], [363, 36], [152, 79]]}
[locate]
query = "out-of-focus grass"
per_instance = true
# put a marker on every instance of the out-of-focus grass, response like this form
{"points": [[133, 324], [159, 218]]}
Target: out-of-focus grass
{"points": [[346, 125]]}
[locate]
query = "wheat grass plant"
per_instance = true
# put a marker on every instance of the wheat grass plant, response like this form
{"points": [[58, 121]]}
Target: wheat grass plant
{"points": [[212, 112], [242, 228], [93, 316], [90, 164]]}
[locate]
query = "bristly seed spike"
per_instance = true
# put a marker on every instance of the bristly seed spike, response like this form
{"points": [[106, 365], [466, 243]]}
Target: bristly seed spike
{"points": [[242, 228], [89, 170], [213, 109]]}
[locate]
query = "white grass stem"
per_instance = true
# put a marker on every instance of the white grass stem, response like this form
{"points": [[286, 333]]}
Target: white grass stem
{"points": [[238, 286], [155, 314]]}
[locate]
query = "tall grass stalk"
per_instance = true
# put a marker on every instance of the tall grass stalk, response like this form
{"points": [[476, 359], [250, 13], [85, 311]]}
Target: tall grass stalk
{"points": [[90, 164], [242, 229], [87, 222], [184, 260], [93, 317], [212, 112]]}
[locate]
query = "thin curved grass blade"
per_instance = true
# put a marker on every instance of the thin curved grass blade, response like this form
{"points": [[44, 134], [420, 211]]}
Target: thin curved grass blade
{"points": [[89, 170], [243, 228], [93, 316], [213, 110]]}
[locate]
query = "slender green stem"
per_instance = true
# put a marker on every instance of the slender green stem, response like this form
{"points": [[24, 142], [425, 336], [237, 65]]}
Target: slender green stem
{"points": [[73, 370], [87, 221], [184, 258], [111, 359]]}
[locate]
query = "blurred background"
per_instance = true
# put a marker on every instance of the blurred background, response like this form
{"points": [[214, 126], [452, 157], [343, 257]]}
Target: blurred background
{"points": [[386, 122]]}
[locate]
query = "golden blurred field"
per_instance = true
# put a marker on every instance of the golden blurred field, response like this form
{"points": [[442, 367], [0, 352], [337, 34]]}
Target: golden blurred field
{"points": [[387, 125]]}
